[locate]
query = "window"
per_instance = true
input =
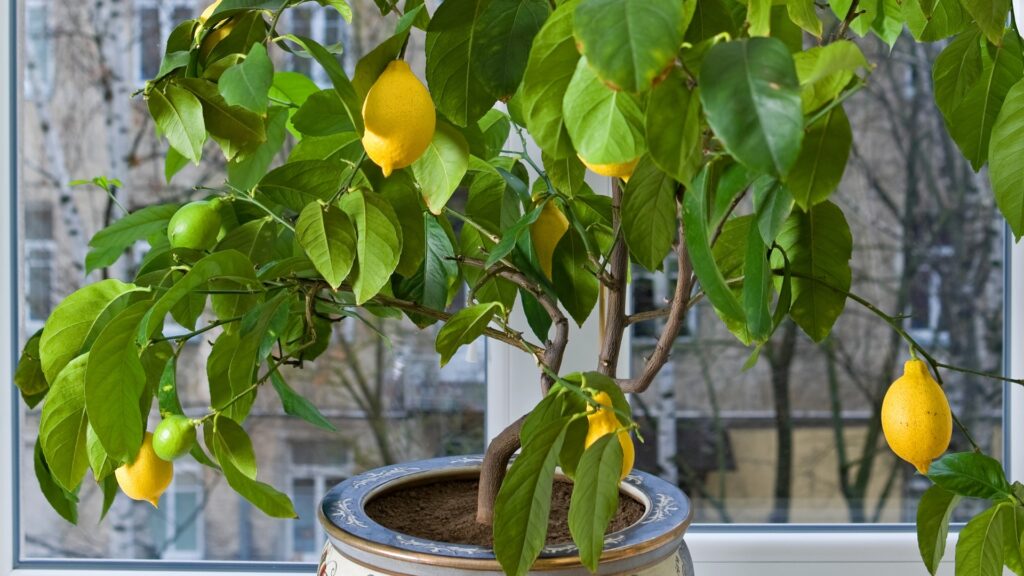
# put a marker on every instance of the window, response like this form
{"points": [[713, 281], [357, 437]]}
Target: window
{"points": [[651, 291], [155, 19], [328, 28], [39, 62], [176, 530], [38, 265]]}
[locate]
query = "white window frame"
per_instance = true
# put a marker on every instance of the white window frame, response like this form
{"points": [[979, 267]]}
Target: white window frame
{"points": [[318, 474], [737, 550]]}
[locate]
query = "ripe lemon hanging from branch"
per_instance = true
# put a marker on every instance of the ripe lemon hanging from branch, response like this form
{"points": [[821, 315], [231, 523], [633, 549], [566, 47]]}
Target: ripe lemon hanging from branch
{"points": [[400, 118], [916, 418]]}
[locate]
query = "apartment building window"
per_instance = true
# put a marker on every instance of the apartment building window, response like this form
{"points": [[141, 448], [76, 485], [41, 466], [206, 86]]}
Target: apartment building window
{"points": [[316, 468], [39, 63], [176, 528], [154, 21], [39, 263], [327, 27], [650, 291]]}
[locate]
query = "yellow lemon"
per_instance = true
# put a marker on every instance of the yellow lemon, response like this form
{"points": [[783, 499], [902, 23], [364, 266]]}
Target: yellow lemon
{"points": [[546, 232], [916, 419], [399, 117], [147, 476], [604, 421], [616, 170]]}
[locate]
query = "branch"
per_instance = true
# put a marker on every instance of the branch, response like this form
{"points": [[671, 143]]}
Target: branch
{"points": [[677, 315], [493, 470], [614, 324]]}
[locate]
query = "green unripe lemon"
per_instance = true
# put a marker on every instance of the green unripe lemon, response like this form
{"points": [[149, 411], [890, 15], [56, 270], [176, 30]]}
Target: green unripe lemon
{"points": [[195, 226], [174, 437]]}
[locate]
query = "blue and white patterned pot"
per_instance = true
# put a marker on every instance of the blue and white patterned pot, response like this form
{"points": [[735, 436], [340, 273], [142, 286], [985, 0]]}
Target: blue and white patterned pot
{"points": [[653, 546]]}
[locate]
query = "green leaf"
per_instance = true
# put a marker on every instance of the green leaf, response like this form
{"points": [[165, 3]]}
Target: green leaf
{"points": [[293, 87], [496, 127], [759, 17], [179, 116], [1006, 169], [971, 475], [751, 96], [822, 161], [228, 8], [296, 184], [803, 14], [228, 264], [649, 214], [606, 126], [237, 130], [990, 16], [110, 489], [1013, 539], [342, 85], [400, 191], [69, 326], [174, 162], [101, 463], [630, 42], [29, 377], [263, 496], [247, 84], [245, 173], [451, 61], [108, 244], [329, 239], [698, 245], [502, 40], [114, 384], [947, 18], [757, 287], [595, 497], [772, 205], [442, 166], [295, 404], [379, 242], [62, 426], [550, 68], [933, 514], [576, 286], [336, 147], [239, 446], [957, 69], [980, 546], [322, 114], [510, 238], [888, 24], [440, 272], [819, 246], [673, 128], [370, 67], [971, 123], [524, 501], [464, 327], [64, 502], [825, 71]]}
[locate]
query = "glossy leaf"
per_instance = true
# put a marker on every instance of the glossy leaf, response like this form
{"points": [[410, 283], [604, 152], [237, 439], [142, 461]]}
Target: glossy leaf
{"points": [[606, 126], [649, 214], [822, 161], [178, 115], [29, 377], [608, 31], [971, 475], [322, 114], [297, 405], [980, 546], [247, 83], [990, 16], [379, 242], [464, 327], [64, 502], [502, 42], [237, 130], [773, 203], [819, 246], [273, 503], [757, 287], [524, 500], [458, 93], [595, 497], [751, 96], [673, 128], [1006, 169], [342, 85], [441, 167], [803, 14], [329, 239], [107, 245], [825, 71], [245, 173], [956, 70], [62, 426], [577, 288], [69, 326], [933, 514], [947, 17], [550, 68], [296, 184]]}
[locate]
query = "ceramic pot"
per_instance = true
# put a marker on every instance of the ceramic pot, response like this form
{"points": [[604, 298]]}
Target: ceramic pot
{"points": [[358, 546]]}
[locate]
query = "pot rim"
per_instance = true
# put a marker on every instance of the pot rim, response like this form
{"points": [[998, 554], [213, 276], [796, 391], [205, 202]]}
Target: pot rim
{"points": [[342, 514]]}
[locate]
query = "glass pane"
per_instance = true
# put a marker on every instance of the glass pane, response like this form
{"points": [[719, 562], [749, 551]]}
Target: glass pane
{"points": [[417, 410], [796, 438], [302, 25], [150, 52], [304, 529]]}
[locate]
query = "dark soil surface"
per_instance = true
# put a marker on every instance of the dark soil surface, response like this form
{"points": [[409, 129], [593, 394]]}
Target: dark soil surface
{"points": [[446, 512]]}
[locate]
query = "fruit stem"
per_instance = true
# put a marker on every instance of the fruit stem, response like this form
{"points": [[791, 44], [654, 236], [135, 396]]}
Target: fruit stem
{"points": [[351, 178]]}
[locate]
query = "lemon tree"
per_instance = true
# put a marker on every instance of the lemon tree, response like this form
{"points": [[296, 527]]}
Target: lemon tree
{"points": [[722, 123]]}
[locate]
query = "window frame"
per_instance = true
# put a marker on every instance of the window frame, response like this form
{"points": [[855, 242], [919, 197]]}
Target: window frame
{"points": [[724, 551]]}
